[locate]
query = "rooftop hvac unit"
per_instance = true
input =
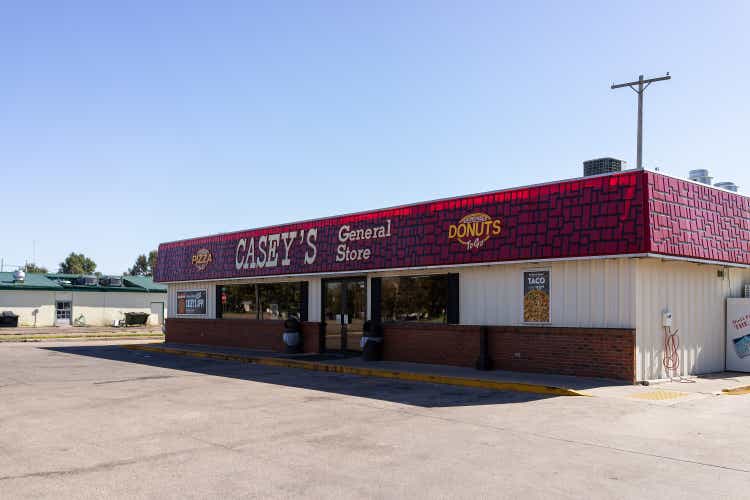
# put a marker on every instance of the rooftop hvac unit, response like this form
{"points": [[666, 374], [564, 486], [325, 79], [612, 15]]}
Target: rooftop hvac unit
{"points": [[19, 276], [90, 280], [114, 281], [700, 175], [729, 186], [600, 166]]}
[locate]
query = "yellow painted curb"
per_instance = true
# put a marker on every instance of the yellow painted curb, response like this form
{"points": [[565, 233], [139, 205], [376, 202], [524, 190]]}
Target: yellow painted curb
{"points": [[737, 391], [367, 372]]}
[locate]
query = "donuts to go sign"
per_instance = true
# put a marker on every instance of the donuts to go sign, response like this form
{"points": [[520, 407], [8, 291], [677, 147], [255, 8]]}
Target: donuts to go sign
{"points": [[475, 229]]}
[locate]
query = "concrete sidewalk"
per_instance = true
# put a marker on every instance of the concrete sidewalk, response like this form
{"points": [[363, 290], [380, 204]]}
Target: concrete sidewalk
{"points": [[27, 334], [693, 387], [558, 385], [49, 330], [540, 383]]}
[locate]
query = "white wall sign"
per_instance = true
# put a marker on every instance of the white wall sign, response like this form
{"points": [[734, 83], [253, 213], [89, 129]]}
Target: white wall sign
{"points": [[738, 335], [536, 296]]}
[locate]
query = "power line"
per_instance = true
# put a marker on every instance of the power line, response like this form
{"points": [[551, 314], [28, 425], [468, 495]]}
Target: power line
{"points": [[642, 85]]}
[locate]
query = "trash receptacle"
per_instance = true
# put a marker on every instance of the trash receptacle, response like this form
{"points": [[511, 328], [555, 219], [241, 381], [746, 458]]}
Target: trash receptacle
{"points": [[292, 336], [8, 319], [372, 342], [136, 318]]}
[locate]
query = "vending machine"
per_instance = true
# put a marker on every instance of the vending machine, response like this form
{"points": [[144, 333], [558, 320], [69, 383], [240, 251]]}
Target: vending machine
{"points": [[738, 335]]}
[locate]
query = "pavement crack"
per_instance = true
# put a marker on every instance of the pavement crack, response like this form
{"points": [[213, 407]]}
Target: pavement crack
{"points": [[133, 379], [213, 443], [99, 467]]}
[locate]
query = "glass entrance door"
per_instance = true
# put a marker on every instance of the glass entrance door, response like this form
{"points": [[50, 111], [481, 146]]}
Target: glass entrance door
{"points": [[345, 312]]}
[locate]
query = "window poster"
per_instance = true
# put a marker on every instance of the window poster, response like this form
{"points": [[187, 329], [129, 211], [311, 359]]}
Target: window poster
{"points": [[536, 296], [191, 302]]}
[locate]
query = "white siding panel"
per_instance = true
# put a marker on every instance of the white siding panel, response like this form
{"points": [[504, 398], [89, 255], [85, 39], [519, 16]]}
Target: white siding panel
{"points": [[101, 308], [696, 297], [585, 293], [34, 308], [738, 278]]}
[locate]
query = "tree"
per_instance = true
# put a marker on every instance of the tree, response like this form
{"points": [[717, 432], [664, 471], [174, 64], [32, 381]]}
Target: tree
{"points": [[30, 267], [152, 257], [77, 263], [144, 266]]}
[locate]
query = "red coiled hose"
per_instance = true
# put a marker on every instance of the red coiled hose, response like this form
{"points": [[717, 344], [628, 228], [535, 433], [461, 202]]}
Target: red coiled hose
{"points": [[671, 359]]}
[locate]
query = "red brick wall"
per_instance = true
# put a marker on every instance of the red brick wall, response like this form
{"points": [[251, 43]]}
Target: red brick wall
{"points": [[247, 333], [692, 220], [311, 336], [585, 352], [456, 345]]}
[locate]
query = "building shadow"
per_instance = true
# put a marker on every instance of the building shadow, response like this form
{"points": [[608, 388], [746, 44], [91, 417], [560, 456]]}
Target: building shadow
{"points": [[419, 394]]}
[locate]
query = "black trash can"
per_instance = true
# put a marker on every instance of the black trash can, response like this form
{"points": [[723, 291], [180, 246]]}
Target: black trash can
{"points": [[8, 319], [372, 342], [136, 318], [292, 336]]}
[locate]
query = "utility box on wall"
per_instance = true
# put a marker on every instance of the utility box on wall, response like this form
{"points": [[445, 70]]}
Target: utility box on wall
{"points": [[738, 335]]}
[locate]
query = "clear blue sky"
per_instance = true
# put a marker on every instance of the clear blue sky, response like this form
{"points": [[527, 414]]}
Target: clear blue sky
{"points": [[123, 124]]}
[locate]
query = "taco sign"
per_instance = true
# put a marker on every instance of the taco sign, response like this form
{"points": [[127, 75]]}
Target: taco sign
{"points": [[473, 230]]}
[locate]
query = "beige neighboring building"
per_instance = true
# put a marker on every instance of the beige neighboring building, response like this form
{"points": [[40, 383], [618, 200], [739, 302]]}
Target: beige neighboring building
{"points": [[72, 299]]}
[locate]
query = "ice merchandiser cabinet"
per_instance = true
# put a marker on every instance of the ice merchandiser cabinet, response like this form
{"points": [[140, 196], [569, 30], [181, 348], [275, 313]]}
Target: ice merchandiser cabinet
{"points": [[738, 335]]}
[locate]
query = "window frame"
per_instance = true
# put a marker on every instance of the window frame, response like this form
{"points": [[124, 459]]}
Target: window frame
{"points": [[67, 312], [448, 306], [299, 293]]}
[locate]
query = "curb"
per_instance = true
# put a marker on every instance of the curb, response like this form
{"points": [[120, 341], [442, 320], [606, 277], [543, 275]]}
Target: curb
{"points": [[737, 391], [37, 338], [476, 383]]}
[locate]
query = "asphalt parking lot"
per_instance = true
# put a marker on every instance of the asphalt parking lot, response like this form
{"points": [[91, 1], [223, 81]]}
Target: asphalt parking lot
{"points": [[93, 420]]}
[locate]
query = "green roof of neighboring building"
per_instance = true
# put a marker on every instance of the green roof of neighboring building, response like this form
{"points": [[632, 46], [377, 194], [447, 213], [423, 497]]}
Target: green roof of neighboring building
{"points": [[146, 282], [54, 281], [31, 282]]}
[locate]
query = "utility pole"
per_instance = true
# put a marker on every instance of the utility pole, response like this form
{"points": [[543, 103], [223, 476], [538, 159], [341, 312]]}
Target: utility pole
{"points": [[641, 85]]}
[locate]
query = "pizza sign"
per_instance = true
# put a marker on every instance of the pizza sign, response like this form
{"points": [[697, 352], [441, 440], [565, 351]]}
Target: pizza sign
{"points": [[202, 258]]}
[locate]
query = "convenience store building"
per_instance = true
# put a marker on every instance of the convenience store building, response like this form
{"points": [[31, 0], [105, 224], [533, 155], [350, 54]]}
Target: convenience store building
{"points": [[571, 277]]}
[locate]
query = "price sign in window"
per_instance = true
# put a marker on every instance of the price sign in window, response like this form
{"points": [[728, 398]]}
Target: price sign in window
{"points": [[536, 297], [191, 302]]}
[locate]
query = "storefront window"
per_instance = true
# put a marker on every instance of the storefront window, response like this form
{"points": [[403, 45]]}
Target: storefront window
{"points": [[415, 298], [264, 301], [239, 301], [279, 300]]}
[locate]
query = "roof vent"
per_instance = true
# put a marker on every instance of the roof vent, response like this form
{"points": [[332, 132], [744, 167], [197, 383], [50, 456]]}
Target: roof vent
{"points": [[729, 186], [90, 280], [602, 166], [114, 280], [700, 175], [19, 276]]}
